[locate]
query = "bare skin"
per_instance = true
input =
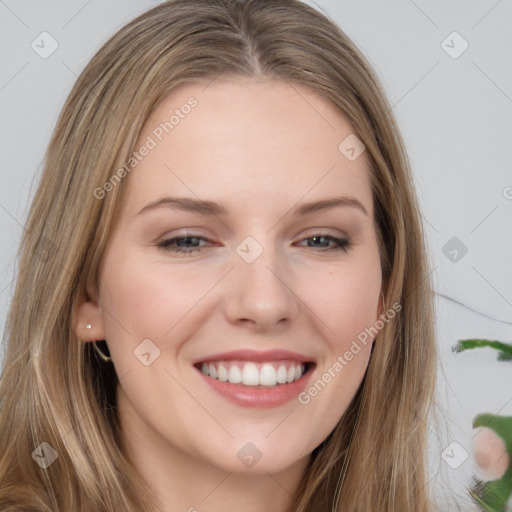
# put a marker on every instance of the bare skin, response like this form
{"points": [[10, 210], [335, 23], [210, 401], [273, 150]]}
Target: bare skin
{"points": [[262, 149]]}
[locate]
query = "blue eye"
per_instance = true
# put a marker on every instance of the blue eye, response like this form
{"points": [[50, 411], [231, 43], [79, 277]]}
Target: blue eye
{"points": [[188, 244], [340, 243], [179, 244]]}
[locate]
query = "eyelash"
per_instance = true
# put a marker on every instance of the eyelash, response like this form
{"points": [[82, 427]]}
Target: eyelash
{"points": [[343, 244]]}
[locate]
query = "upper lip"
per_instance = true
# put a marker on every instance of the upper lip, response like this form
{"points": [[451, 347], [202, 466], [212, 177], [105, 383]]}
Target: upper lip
{"points": [[256, 356]]}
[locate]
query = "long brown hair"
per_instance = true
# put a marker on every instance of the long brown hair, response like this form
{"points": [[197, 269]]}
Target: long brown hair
{"points": [[52, 388]]}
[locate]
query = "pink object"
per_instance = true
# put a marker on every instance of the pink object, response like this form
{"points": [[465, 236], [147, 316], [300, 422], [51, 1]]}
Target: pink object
{"points": [[490, 454]]}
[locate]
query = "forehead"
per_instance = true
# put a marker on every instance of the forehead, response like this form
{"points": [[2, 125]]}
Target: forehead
{"points": [[256, 142]]}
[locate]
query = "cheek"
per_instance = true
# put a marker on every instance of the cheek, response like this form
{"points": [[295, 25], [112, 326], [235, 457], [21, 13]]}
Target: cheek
{"points": [[341, 370], [345, 300], [147, 299]]}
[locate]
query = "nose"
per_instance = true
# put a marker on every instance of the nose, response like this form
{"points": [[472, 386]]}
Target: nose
{"points": [[261, 293]]}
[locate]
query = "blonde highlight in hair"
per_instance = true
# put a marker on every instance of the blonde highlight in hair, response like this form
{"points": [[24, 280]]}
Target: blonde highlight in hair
{"points": [[53, 387]]}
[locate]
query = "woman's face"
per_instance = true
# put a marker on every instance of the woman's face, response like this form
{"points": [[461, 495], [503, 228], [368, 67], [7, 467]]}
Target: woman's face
{"points": [[223, 267]]}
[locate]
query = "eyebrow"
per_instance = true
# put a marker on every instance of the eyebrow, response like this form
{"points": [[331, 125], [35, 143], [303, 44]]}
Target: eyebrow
{"points": [[212, 208]]}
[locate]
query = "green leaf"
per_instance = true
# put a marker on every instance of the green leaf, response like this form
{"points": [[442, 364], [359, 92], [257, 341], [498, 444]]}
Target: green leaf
{"points": [[479, 501], [497, 492], [504, 349]]}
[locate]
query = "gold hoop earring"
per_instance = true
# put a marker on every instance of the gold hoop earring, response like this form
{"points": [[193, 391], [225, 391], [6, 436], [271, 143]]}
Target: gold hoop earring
{"points": [[96, 348], [100, 353]]}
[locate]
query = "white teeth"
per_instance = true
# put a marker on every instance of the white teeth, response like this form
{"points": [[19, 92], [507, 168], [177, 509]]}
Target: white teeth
{"points": [[235, 375], [254, 374], [250, 375], [268, 376], [281, 374], [222, 373]]}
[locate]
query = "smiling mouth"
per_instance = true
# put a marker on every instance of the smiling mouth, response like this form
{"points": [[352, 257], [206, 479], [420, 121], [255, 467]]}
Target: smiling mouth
{"points": [[255, 374]]}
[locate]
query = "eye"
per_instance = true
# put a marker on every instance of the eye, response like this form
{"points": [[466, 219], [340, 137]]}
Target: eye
{"points": [[190, 243], [343, 244], [182, 244]]}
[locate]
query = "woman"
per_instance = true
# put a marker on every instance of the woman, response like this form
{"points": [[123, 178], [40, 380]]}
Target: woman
{"points": [[286, 361]]}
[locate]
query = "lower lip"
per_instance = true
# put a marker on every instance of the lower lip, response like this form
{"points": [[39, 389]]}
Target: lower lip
{"points": [[263, 398]]}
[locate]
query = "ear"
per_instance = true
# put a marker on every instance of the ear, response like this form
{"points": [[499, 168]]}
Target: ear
{"points": [[86, 313]]}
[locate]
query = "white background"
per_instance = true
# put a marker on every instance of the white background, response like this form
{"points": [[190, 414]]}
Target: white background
{"points": [[455, 116]]}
